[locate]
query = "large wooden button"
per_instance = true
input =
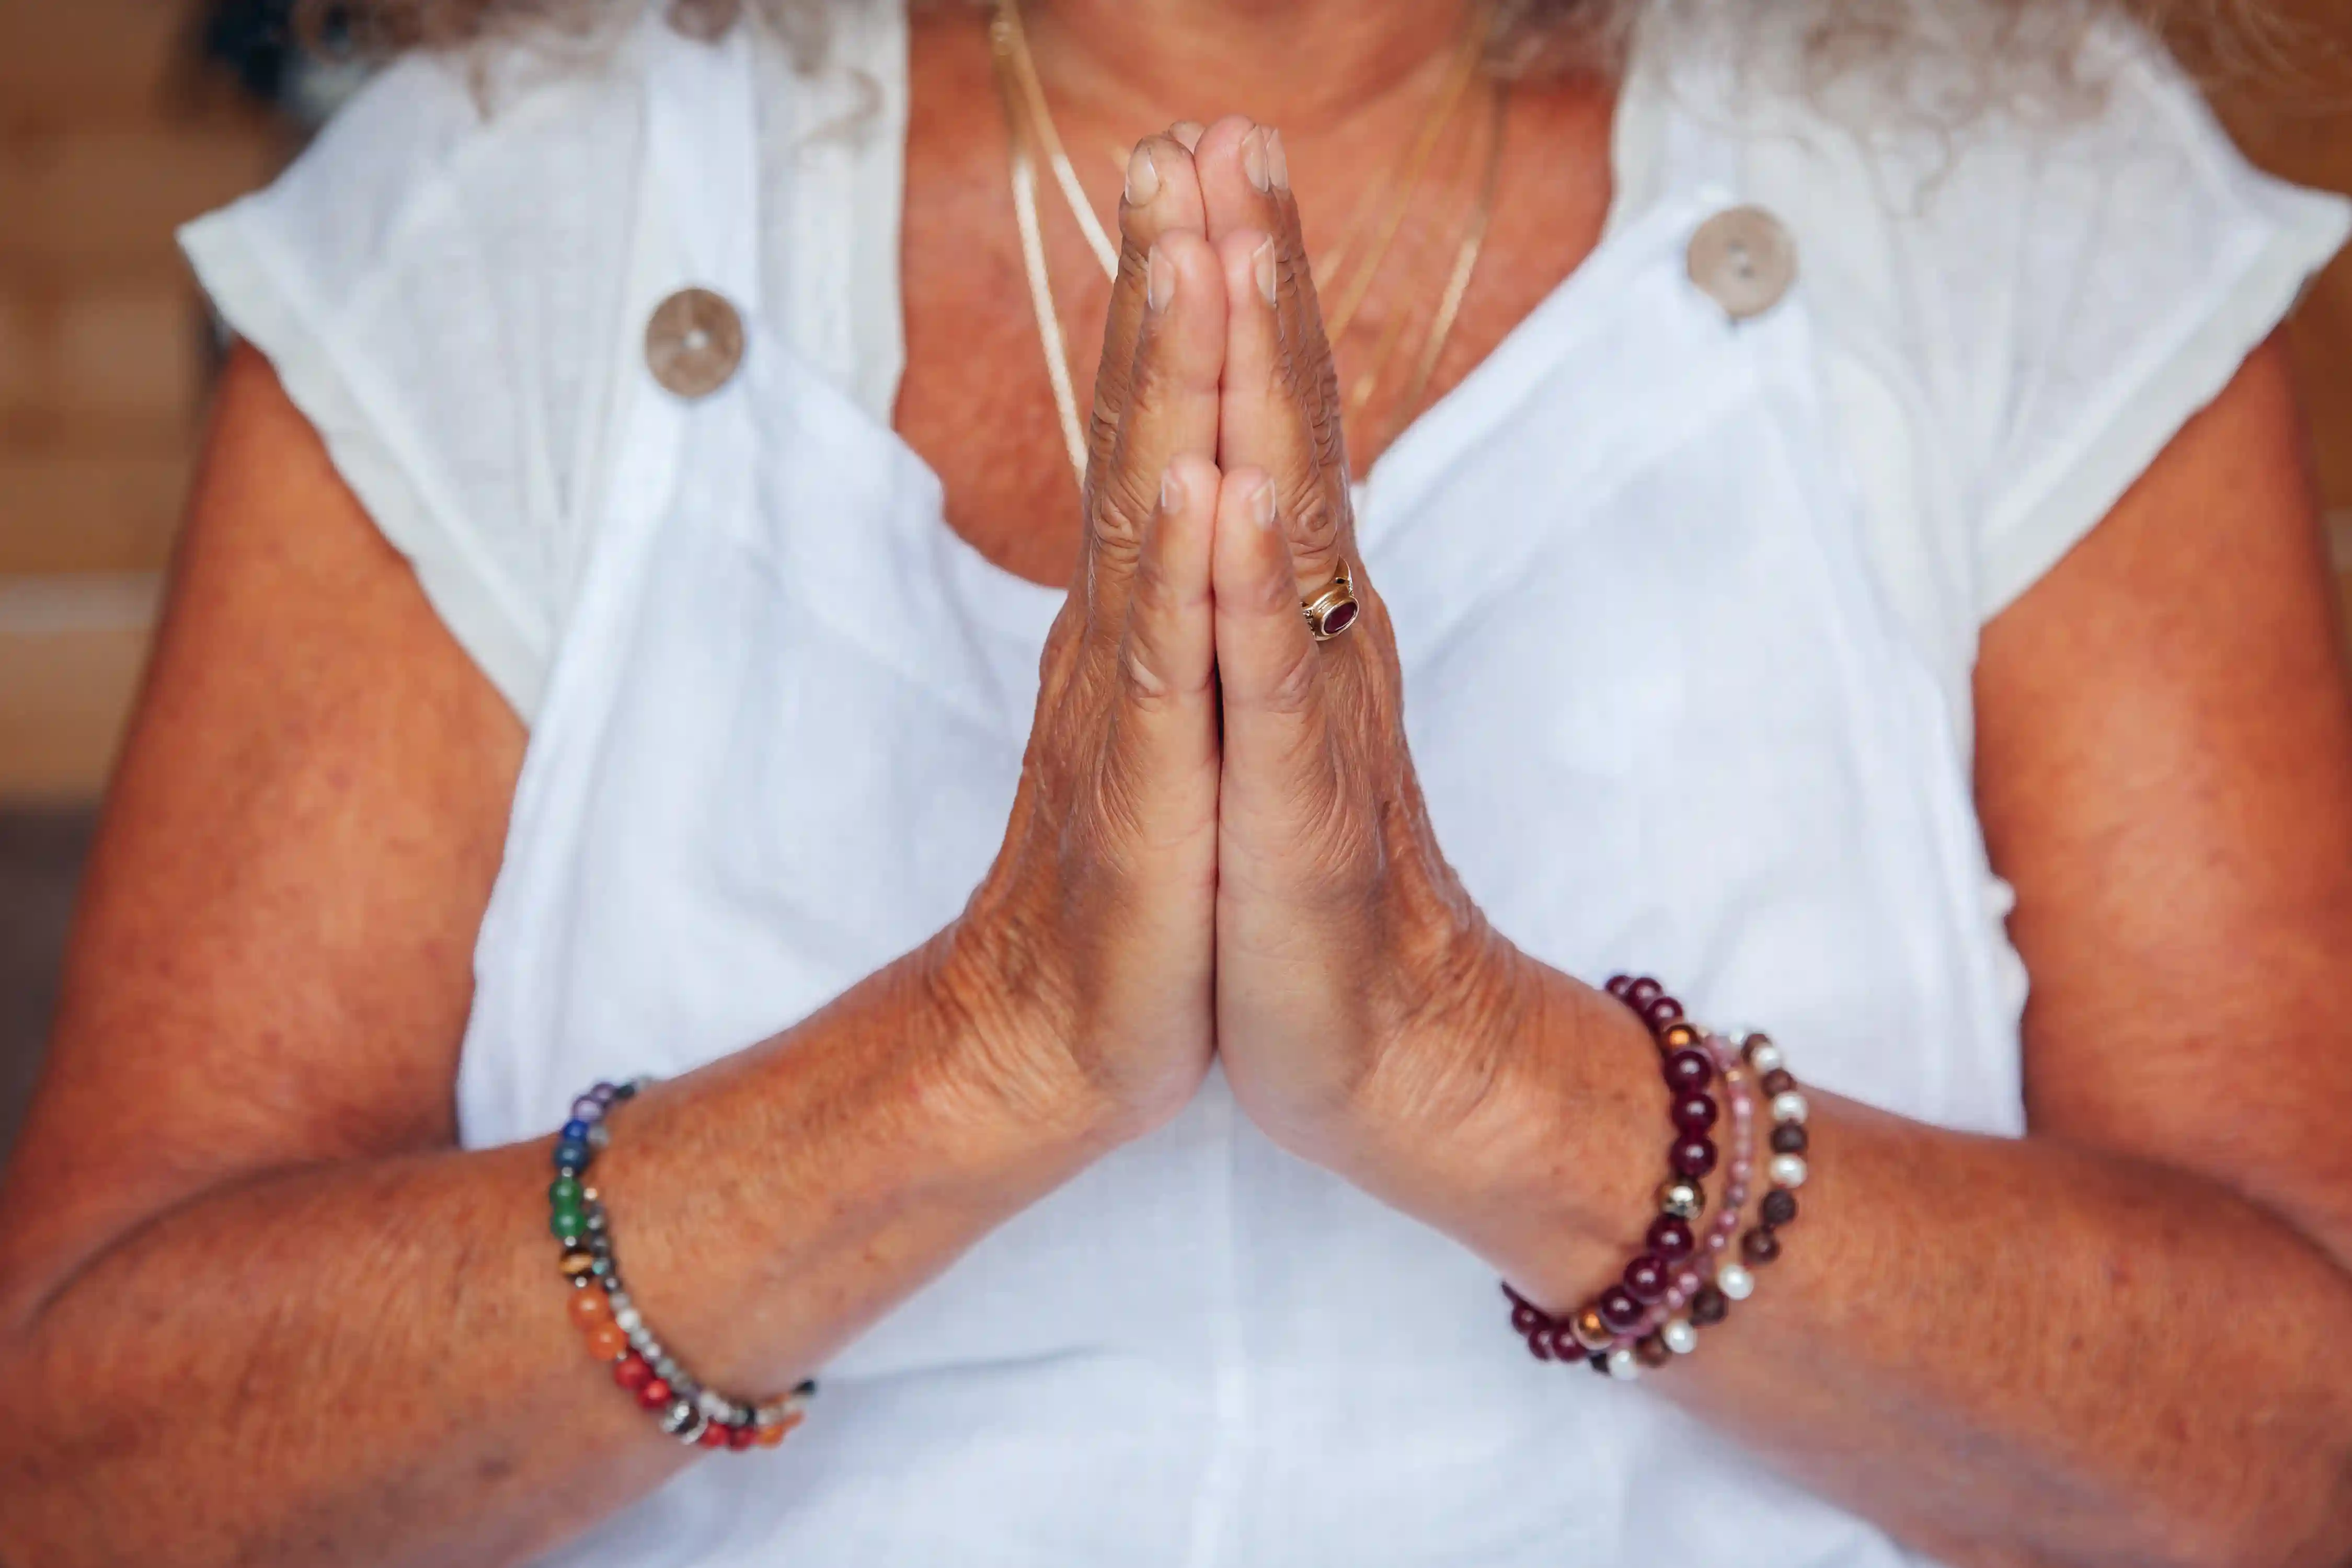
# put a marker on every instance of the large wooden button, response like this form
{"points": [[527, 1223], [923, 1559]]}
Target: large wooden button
{"points": [[1744, 260], [694, 343]]}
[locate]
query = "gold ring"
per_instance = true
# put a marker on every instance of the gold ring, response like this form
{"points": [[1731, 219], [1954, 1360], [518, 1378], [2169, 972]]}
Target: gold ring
{"points": [[1335, 609]]}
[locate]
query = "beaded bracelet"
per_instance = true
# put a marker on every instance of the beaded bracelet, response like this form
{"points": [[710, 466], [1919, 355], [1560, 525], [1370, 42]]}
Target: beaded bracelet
{"points": [[615, 1331], [1635, 1324]]}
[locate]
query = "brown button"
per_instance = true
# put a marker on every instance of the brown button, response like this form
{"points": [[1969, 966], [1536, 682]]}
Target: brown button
{"points": [[1744, 260], [694, 343]]}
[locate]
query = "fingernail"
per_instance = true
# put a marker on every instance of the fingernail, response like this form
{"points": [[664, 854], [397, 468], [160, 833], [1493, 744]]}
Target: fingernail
{"points": [[1142, 177], [1186, 134], [1254, 159], [1160, 285], [1277, 163], [1262, 503], [1262, 264], [1172, 491]]}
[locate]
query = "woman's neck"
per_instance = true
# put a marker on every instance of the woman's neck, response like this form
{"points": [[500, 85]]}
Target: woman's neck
{"points": [[1305, 64]]}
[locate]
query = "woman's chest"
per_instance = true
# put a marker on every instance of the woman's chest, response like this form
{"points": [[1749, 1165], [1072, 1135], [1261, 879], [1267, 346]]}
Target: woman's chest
{"points": [[976, 400]]}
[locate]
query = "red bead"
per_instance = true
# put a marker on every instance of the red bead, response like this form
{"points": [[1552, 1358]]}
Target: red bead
{"points": [[1618, 985], [1619, 1309], [654, 1395], [1642, 992], [632, 1372], [1693, 1157], [1688, 1072], [1662, 1012], [1693, 1113], [714, 1436], [1526, 1320], [1760, 1245], [1647, 1277], [1672, 1239], [1539, 1344], [740, 1437]]}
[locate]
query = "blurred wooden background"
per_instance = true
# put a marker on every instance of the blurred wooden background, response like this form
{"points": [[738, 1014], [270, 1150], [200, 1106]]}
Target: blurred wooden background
{"points": [[109, 137]]}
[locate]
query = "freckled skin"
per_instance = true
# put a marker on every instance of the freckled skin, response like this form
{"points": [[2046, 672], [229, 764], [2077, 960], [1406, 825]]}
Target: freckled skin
{"points": [[255, 1308]]}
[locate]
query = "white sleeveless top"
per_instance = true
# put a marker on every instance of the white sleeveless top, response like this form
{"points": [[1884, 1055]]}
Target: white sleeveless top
{"points": [[1686, 607]]}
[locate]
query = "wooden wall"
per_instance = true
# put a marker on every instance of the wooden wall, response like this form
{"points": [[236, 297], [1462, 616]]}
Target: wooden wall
{"points": [[108, 140]]}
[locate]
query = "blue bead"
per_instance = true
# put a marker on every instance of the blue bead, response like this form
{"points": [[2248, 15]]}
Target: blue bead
{"points": [[574, 1131], [568, 1153]]}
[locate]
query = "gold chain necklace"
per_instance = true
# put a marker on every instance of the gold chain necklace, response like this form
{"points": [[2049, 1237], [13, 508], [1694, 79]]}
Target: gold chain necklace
{"points": [[1031, 131]]}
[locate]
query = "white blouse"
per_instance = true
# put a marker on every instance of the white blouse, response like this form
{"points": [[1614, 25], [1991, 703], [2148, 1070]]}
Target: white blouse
{"points": [[2020, 315], [1685, 607]]}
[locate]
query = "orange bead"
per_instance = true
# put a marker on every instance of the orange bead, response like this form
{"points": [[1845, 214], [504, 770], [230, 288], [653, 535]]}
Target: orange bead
{"points": [[770, 1437], [590, 1308], [606, 1341]]}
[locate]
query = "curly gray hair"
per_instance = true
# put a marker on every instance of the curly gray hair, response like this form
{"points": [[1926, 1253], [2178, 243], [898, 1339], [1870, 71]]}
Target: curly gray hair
{"points": [[1985, 50]]}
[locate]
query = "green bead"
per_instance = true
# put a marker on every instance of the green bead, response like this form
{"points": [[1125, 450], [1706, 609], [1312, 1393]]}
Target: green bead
{"points": [[566, 1222], [565, 1192]]}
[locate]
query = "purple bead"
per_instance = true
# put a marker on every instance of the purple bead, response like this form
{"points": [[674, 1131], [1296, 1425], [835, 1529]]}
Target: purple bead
{"points": [[1693, 1113], [587, 1108], [1688, 1282], [1670, 1238], [1525, 1320], [605, 1093], [1540, 1346], [1692, 1157], [1645, 1278], [1662, 1012], [1687, 1072], [1642, 992], [1618, 1308], [1618, 986]]}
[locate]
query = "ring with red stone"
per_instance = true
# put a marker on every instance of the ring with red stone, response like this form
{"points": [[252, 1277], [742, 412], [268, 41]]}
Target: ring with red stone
{"points": [[1334, 610]]}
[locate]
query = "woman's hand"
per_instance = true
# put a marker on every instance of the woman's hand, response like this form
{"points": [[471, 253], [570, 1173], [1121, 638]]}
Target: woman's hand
{"points": [[1368, 1017], [1085, 957]]}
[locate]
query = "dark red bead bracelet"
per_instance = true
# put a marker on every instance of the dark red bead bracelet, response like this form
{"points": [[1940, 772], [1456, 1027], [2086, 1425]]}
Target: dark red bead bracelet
{"points": [[1683, 1279]]}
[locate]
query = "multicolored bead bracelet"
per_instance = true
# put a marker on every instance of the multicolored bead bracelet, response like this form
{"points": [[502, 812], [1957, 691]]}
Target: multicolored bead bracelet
{"points": [[615, 1331], [1640, 1321]]}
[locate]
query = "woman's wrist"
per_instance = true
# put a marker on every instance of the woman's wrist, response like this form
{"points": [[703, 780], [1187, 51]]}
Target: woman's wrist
{"points": [[1556, 1176], [997, 1026]]}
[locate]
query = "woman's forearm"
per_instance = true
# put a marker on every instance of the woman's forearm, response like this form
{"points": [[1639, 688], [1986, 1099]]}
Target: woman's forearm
{"points": [[2011, 1349], [372, 1363]]}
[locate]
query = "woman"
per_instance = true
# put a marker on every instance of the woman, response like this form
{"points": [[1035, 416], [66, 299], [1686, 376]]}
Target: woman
{"points": [[1799, 513]]}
